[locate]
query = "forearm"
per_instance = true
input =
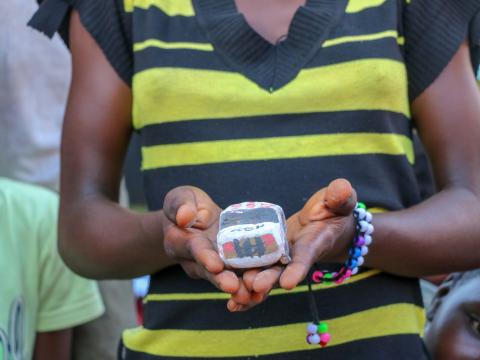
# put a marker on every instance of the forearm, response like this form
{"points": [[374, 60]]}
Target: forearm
{"points": [[53, 345], [99, 239], [440, 235]]}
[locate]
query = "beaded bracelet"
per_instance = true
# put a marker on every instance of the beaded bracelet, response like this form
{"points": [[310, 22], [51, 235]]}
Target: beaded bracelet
{"points": [[317, 332]]}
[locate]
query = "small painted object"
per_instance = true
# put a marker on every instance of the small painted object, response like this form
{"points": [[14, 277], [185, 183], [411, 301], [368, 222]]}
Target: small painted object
{"points": [[253, 234]]}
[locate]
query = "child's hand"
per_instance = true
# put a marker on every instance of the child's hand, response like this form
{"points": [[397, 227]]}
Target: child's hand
{"points": [[322, 231], [190, 230]]}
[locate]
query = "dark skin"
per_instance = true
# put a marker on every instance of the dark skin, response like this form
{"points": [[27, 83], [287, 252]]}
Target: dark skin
{"points": [[454, 328], [101, 240], [53, 345]]}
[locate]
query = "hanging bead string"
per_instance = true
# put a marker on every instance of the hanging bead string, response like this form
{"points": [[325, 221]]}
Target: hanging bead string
{"points": [[317, 332]]}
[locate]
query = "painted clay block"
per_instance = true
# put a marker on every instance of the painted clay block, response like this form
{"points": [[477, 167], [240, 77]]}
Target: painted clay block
{"points": [[253, 234]]}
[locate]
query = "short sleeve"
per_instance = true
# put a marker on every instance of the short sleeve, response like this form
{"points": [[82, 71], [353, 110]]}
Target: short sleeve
{"points": [[434, 31], [475, 44], [65, 299], [106, 20]]}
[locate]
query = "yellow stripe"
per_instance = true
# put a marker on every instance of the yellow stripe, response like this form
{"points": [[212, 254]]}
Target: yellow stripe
{"points": [[169, 7], [359, 38], [383, 321], [275, 292], [171, 45], [176, 94], [208, 47], [213, 152], [401, 40], [360, 5]]}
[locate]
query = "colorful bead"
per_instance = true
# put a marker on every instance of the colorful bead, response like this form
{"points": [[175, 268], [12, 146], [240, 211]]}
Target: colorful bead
{"points": [[368, 217], [364, 250], [360, 261], [368, 240], [361, 205], [312, 328], [325, 339], [355, 271], [317, 276], [322, 328], [360, 242], [314, 339]]}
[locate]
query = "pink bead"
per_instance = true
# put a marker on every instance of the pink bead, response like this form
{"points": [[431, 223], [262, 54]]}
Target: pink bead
{"points": [[317, 276], [348, 273], [325, 338]]}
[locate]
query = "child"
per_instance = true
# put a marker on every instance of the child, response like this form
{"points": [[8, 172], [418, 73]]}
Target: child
{"points": [[41, 300], [453, 329]]}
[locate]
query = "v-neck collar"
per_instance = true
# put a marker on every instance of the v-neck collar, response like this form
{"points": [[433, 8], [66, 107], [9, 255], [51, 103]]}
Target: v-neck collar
{"points": [[270, 66]]}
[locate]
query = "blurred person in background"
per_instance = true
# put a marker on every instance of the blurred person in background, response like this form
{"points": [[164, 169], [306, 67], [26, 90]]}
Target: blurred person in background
{"points": [[34, 80], [453, 327], [41, 300]]}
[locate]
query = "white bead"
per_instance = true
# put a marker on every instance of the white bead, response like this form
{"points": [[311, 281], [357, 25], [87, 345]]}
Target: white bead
{"points": [[369, 230], [312, 328], [368, 217], [361, 213], [314, 339], [360, 261], [363, 226], [364, 250], [355, 271], [368, 240]]}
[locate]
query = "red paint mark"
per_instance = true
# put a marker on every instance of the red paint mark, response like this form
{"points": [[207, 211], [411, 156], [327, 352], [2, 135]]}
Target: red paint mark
{"points": [[250, 205], [228, 247], [268, 239]]}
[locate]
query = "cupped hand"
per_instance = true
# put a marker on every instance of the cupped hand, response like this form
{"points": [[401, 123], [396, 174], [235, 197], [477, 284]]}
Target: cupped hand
{"points": [[190, 230], [322, 231]]}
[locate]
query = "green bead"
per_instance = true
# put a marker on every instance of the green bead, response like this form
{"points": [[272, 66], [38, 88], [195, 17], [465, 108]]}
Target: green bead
{"points": [[322, 328], [328, 276], [361, 205]]}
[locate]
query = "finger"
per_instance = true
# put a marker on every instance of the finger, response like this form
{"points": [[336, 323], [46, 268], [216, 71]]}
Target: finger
{"points": [[242, 296], [249, 278], [302, 260], [226, 281], [340, 197], [189, 206], [267, 279], [233, 306], [182, 244], [202, 250]]}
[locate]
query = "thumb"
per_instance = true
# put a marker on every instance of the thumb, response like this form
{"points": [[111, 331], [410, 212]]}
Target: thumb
{"points": [[340, 197], [188, 206]]}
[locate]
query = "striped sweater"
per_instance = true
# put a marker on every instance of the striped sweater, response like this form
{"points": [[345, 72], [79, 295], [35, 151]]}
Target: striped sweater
{"points": [[219, 107]]}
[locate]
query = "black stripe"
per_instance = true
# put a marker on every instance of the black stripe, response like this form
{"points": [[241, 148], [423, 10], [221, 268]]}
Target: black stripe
{"points": [[152, 23], [396, 347], [380, 180], [276, 126], [153, 57], [293, 307]]}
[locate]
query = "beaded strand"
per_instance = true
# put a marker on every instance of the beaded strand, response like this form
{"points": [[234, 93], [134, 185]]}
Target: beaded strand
{"points": [[317, 332]]}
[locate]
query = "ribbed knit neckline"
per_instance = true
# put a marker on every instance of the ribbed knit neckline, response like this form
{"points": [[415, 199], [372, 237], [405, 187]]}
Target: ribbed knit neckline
{"points": [[271, 66]]}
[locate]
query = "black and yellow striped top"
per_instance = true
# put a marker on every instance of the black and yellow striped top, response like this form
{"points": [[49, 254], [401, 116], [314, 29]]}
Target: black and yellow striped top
{"points": [[219, 107]]}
